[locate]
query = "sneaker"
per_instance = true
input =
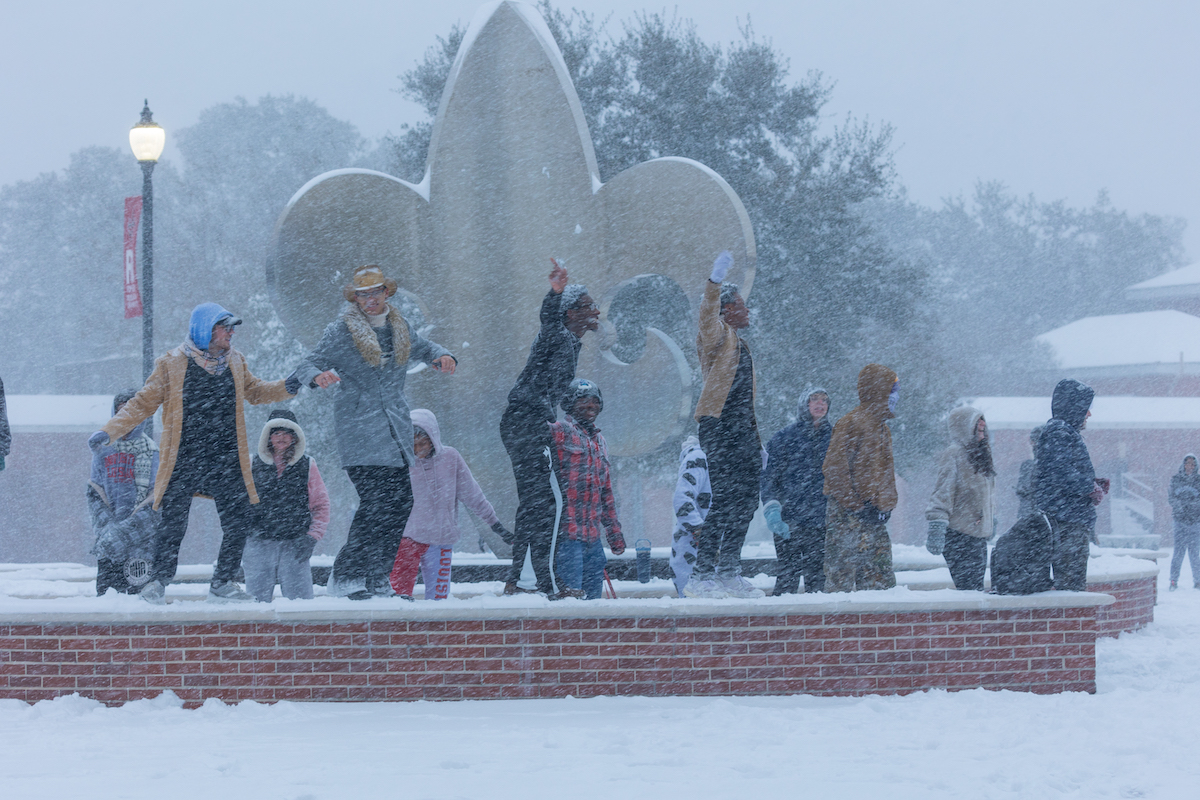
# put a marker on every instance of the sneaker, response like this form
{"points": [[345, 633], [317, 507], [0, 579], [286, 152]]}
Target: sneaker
{"points": [[361, 594], [709, 589], [407, 597], [227, 592], [569, 594], [1174, 585], [154, 593], [739, 587]]}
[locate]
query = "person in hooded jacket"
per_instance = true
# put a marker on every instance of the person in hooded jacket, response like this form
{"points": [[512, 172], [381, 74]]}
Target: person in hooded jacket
{"points": [[860, 479], [1185, 513], [693, 496], [120, 497], [367, 352], [441, 480], [792, 493], [962, 509], [292, 514], [1066, 488], [202, 386]]}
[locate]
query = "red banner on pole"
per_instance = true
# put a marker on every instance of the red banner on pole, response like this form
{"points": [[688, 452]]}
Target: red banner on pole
{"points": [[133, 296]]}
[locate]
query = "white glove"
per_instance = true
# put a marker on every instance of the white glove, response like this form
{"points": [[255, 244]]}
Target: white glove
{"points": [[721, 267]]}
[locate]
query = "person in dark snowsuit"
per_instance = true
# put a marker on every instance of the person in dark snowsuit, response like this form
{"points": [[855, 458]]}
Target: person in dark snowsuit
{"points": [[1185, 512], [120, 494], [568, 312], [1067, 490], [793, 498]]}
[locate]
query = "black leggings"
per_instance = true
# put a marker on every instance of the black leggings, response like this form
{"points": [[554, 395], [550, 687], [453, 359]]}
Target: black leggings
{"points": [[967, 558], [222, 482], [526, 436], [385, 501], [734, 465]]}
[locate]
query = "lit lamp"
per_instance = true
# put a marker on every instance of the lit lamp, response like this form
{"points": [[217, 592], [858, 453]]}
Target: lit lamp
{"points": [[147, 140]]}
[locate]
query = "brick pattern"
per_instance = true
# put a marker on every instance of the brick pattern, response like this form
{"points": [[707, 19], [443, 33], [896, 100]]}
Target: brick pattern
{"points": [[1134, 608], [1033, 650]]}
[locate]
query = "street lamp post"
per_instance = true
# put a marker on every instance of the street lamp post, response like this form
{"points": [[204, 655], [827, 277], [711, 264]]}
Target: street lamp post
{"points": [[147, 140]]}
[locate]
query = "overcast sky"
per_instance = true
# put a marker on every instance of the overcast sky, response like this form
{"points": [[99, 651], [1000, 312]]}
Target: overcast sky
{"points": [[1059, 98]]}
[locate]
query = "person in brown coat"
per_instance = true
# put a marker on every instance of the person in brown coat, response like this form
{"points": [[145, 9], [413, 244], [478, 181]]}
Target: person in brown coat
{"points": [[202, 386], [860, 480]]}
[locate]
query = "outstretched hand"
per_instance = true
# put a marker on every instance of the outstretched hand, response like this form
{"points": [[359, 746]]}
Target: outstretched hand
{"points": [[445, 364], [558, 278]]}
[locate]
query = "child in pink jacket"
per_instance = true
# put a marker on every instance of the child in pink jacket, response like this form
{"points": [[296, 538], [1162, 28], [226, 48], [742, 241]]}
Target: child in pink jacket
{"points": [[440, 480]]}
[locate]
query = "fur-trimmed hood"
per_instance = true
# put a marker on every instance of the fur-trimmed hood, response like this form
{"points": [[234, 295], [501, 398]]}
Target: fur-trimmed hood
{"points": [[367, 342], [265, 437]]}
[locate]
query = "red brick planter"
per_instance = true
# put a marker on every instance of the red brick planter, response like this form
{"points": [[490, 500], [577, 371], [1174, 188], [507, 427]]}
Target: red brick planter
{"points": [[1134, 606], [851, 647]]}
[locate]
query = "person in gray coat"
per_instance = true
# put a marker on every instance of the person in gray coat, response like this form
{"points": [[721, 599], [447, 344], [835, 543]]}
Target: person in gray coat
{"points": [[367, 352]]}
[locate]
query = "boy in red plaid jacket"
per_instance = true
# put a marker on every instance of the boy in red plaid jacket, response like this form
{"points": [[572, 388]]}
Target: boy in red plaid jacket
{"points": [[585, 498]]}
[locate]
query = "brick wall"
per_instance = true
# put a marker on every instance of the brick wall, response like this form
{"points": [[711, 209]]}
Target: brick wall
{"points": [[1134, 607], [397, 655]]}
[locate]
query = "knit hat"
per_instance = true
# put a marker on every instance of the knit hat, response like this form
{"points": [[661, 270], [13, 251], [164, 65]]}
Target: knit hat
{"points": [[729, 292], [570, 296], [204, 317], [580, 388]]}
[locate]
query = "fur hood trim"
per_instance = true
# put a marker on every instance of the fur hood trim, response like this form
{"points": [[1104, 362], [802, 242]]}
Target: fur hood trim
{"points": [[367, 342], [264, 439]]}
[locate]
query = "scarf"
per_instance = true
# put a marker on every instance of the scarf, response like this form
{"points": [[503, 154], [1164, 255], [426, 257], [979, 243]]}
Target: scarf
{"points": [[213, 365]]}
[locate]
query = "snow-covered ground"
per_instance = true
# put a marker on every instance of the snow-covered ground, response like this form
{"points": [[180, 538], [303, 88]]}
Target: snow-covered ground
{"points": [[1136, 737]]}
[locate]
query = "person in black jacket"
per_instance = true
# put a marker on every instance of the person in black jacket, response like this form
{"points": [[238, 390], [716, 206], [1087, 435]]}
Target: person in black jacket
{"points": [[793, 499], [1185, 511], [1066, 488], [568, 312]]}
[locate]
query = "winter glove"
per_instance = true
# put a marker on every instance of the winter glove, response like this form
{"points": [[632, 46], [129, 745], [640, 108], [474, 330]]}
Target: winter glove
{"points": [[773, 514], [870, 514], [504, 533], [935, 541], [721, 267], [616, 543], [291, 383]]}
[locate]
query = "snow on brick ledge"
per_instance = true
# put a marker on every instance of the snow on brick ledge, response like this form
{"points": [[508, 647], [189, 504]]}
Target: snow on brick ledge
{"points": [[891, 642]]}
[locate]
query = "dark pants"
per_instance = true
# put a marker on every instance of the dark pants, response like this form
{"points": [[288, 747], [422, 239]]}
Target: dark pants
{"points": [[385, 501], [734, 465], [525, 437], [967, 558], [1187, 541], [223, 482], [803, 554], [1069, 554]]}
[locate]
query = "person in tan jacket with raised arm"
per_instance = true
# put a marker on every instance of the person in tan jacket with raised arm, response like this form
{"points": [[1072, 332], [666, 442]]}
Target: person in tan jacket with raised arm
{"points": [[729, 438]]}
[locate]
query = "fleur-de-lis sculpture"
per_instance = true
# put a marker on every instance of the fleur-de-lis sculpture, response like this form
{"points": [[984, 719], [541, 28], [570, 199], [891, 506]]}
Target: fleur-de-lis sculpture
{"points": [[511, 180]]}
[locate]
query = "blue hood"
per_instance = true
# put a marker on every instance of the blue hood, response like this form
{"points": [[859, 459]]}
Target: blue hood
{"points": [[204, 316]]}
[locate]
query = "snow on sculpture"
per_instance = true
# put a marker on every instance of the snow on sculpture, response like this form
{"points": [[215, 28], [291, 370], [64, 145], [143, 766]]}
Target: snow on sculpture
{"points": [[511, 180]]}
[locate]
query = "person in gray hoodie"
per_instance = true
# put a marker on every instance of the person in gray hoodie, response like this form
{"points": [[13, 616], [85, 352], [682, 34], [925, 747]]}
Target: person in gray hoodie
{"points": [[366, 352], [962, 509]]}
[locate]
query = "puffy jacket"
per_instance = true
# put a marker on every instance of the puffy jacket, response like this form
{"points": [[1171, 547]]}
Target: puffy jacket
{"points": [[793, 473], [1185, 494], [1065, 477], [963, 498]]}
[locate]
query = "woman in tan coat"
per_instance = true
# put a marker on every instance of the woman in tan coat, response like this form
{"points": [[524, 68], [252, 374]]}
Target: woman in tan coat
{"points": [[961, 511]]}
